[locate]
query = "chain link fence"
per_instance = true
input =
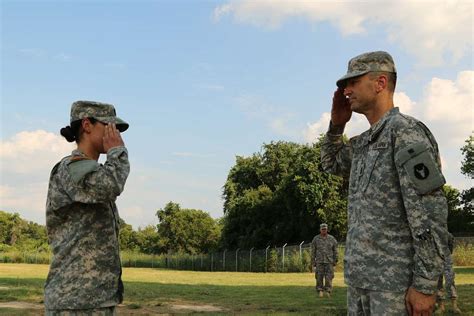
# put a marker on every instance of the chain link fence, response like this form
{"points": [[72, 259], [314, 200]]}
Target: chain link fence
{"points": [[287, 258]]}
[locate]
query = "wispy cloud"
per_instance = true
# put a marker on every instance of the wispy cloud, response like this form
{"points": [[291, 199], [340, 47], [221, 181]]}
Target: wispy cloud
{"points": [[192, 155], [41, 53], [212, 87], [278, 119], [63, 57], [32, 52], [445, 29]]}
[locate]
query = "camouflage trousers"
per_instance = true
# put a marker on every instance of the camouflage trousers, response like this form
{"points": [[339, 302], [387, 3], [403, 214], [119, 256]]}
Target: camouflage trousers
{"points": [[103, 311], [373, 303], [324, 274], [448, 274]]}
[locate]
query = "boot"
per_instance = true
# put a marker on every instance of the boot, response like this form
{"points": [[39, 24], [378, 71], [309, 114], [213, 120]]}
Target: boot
{"points": [[328, 294], [321, 294], [456, 309]]}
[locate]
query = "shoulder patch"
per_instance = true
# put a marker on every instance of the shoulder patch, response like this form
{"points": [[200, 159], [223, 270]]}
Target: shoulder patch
{"points": [[421, 167], [78, 169]]}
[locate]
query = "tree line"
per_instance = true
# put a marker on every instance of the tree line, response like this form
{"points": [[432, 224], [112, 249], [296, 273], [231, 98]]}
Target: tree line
{"points": [[275, 196]]}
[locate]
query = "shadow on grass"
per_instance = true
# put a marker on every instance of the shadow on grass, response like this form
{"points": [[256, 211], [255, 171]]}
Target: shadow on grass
{"points": [[149, 298], [464, 270]]}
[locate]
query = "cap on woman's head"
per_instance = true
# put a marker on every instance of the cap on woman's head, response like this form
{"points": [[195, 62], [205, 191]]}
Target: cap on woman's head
{"points": [[102, 112]]}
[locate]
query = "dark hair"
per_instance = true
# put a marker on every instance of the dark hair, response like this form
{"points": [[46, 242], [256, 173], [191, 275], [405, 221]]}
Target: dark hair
{"points": [[73, 132], [391, 78]]}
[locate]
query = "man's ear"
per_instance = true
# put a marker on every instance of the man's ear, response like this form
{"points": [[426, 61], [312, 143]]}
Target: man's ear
{"points": [[382, 83]]}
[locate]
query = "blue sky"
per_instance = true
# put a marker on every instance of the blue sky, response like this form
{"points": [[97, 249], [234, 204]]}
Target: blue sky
{"points": [[203, 81]]}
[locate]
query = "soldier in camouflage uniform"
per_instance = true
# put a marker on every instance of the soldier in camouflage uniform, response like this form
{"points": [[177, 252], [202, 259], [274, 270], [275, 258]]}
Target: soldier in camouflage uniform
{"points": [[81, 216], [397, 212], [324, 257], [449, 275]]}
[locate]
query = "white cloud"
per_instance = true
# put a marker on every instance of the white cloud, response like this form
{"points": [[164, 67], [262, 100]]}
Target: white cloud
{"points": [[355, 126], [28, 152], [451, 102], [445, 107], [437, 27], [25, 162]]}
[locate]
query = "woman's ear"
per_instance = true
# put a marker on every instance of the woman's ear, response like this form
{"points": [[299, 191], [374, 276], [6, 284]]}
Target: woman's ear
{"points": [[86, 125]]}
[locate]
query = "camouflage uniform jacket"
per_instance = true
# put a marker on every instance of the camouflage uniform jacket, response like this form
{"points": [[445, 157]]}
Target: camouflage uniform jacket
{"points": [[83, 228], [397, 212], [324, 249]]}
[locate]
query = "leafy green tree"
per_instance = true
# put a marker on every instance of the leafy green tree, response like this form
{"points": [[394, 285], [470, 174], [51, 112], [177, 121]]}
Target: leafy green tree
{"points": [[148, 240], [467, 167], [459, 221], [466, 214], [20, 234], [187, 230], [281, 195], [127, 237]]}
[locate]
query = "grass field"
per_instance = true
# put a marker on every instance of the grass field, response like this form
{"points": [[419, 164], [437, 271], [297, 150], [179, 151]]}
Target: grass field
{"points": [[156, 291]]}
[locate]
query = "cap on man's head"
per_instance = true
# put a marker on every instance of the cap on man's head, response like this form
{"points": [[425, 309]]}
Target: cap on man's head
{"points": [[368, 62], [102, 112], [323, 225]]}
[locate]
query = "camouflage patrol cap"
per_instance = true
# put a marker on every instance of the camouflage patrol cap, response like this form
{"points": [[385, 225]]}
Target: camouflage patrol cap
{"points": [[368, 62], [102, 112], [323, 225]]}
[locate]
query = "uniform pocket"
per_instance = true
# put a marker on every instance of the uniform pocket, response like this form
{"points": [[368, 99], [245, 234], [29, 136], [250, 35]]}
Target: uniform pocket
{"points": [[365, 174]]}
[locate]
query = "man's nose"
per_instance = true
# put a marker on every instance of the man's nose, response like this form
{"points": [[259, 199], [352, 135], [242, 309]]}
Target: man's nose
{"points": [[347, 92]]}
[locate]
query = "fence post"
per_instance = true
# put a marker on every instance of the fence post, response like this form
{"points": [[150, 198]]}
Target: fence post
{"points": [[266, 258], [250, 269], [283, 258], [301, 257], [223, 260], [212, 262], [237, 260]]}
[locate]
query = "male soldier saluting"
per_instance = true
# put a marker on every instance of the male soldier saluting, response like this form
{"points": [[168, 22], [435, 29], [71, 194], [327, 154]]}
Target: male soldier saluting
{"points": [[397, 212], [324, 258]]}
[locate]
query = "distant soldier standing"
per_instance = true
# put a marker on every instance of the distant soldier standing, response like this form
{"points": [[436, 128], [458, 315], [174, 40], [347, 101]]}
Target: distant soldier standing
{"points": [[324, 257], [82, 219], [449, 275], [397, 212]]}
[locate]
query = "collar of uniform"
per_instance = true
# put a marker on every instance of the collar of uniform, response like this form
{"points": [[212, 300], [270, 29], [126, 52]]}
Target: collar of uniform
{"points": [[79, 153], [375, 129]]}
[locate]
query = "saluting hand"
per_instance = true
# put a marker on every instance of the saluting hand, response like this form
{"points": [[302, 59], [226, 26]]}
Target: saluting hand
{"points": [[341, 109], [112, 137]]}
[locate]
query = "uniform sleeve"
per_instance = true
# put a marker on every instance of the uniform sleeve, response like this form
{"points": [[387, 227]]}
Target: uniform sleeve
{"points": [[419, 170], [104, 182], [335, 155], [313, 251]]}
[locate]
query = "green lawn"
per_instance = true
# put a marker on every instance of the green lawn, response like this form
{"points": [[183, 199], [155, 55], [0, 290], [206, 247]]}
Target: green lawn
{"points": [[149, 291]]}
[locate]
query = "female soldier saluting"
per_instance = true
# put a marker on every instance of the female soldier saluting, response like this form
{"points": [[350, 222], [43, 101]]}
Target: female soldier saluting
{"points": [[81, 216]]}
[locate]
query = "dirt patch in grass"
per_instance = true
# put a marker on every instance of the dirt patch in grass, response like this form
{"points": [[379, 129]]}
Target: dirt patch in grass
{"points": [[21, 305], [197, 308]]}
